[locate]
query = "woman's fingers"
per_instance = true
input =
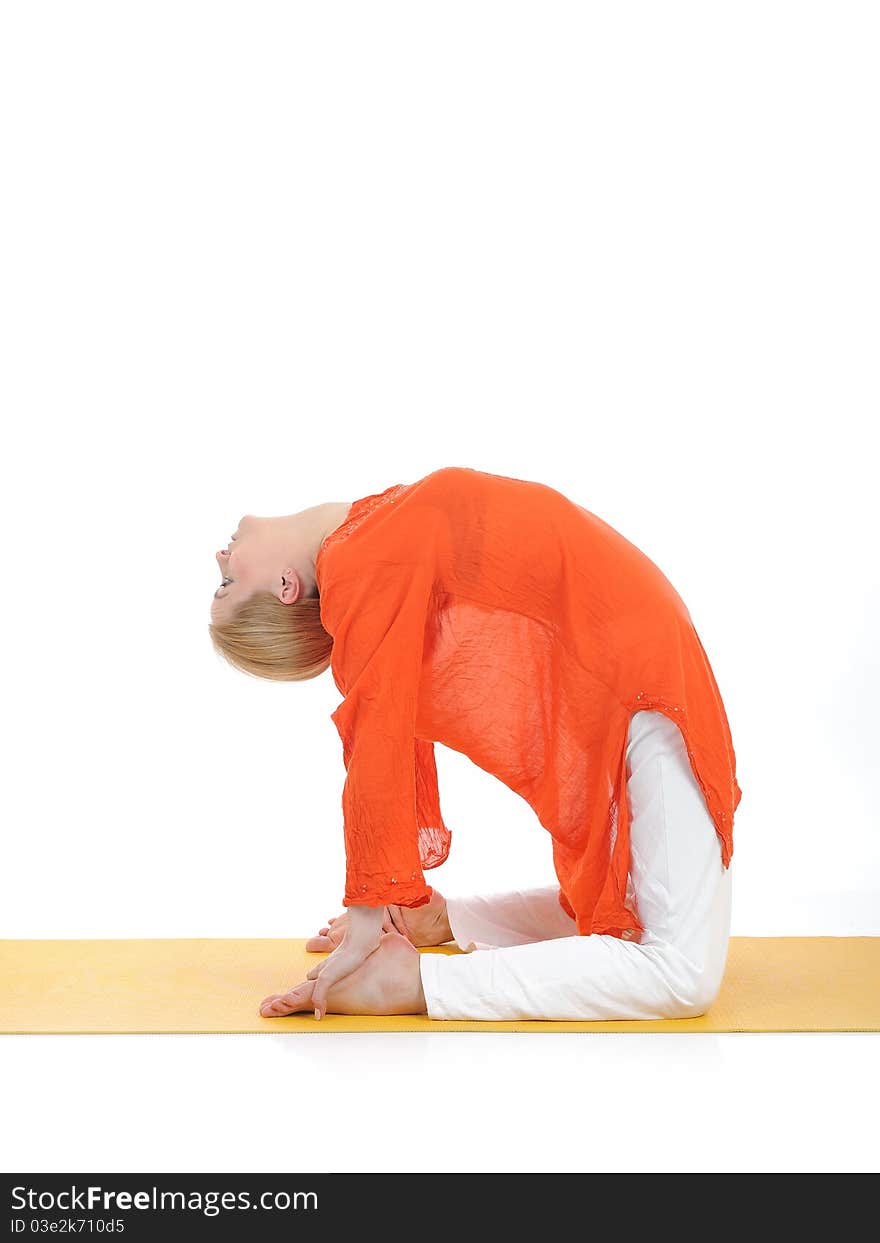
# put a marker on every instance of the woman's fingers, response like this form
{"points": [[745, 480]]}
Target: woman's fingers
{"points": [[314, 972], [322, 988], [397, 923]]}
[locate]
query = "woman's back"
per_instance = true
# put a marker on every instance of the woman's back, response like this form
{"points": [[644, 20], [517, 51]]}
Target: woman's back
{"points": [[500, 618]]}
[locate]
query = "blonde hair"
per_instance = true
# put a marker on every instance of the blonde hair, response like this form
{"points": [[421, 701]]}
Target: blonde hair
{"points": [[268, 639]]}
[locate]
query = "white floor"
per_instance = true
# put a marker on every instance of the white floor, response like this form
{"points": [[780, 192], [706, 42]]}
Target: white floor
{"points": [[439, 1102]]}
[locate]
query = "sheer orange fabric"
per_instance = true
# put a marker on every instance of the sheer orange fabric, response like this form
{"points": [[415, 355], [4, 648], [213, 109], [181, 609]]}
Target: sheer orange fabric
{"points": [[499, 618]]}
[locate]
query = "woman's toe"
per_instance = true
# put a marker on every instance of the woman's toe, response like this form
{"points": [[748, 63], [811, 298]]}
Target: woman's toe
{"points": [[318, 944], [297, 998]]}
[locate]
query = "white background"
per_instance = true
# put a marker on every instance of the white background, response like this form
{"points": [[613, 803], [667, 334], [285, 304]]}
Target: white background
{"points": [[260, 256]]}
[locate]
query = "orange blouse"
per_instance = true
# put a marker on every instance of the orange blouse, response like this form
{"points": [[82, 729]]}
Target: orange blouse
{"points": [[499, 618]]}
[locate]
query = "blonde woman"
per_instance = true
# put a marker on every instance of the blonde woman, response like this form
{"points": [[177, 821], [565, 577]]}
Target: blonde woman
{"points": [[501, 619]]}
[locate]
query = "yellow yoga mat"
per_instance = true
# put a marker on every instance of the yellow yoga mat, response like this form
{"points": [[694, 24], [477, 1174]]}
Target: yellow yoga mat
{"points": [[215, 985]]}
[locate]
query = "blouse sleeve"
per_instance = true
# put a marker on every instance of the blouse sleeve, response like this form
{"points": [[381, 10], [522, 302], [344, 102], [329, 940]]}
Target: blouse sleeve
{"points": [[391, 813], [434, 837]]}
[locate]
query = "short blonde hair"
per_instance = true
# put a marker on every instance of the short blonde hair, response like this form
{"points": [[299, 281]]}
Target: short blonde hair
{"points": [[269, 639]]}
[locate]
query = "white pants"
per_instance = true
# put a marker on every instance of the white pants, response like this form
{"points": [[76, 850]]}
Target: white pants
{"points": [[524, 958]]}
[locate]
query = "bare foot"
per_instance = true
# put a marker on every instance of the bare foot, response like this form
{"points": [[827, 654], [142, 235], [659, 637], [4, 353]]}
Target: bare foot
{"points": [[389, 982], [423, 925]]}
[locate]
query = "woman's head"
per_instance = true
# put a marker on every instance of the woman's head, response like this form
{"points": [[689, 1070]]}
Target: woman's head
{"points": [[265, 615]]}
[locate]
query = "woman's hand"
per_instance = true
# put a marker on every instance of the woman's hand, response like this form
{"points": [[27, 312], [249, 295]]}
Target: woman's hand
{"points": [[361, 936], [421, 925]]}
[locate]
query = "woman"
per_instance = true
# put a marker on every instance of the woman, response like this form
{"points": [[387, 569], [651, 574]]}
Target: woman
{"points": [[497, 617]]}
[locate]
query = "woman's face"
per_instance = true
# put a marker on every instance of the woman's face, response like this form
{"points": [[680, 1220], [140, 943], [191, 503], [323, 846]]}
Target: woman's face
{"points": [[274, 555], [247, 564]]}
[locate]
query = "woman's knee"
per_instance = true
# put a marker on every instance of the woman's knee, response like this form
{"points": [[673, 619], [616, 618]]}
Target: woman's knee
{"points": [[693, 993]]}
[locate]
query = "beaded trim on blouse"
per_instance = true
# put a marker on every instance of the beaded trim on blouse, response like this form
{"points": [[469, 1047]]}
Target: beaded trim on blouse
{"points": [[360, 510]]}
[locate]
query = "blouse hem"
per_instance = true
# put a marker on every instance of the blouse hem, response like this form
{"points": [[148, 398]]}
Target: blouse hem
{"points": [[399, 895]]}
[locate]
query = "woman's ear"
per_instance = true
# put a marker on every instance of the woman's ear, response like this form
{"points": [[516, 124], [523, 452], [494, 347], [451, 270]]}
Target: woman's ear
{"points": [[291, 586]]}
